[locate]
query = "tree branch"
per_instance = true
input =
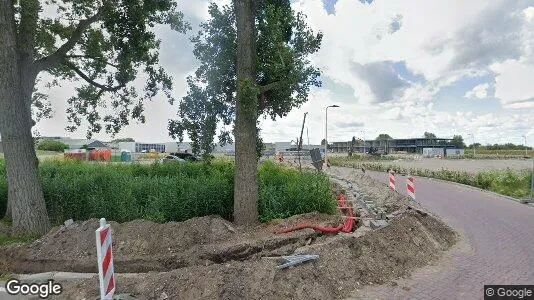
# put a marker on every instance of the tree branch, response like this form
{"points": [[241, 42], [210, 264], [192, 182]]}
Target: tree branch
{"points": [[55, 58], [101, 59], [92, 82], [270, 86]]}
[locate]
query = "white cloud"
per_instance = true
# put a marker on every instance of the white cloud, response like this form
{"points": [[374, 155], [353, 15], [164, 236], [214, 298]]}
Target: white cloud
{"points": [[450, 41], [479, 92], [514, 82], [529, 13]]}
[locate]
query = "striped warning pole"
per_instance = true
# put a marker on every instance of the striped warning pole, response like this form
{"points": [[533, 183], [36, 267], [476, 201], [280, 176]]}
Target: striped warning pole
{"points": [[104, 254], [391, 180], [410, 185]]}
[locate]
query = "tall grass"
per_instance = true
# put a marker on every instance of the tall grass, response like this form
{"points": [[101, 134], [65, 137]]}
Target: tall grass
{"points": [[505, 182], [169, 192]]}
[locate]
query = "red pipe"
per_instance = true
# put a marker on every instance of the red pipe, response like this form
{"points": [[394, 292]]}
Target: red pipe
{"points": [[347, 227]]}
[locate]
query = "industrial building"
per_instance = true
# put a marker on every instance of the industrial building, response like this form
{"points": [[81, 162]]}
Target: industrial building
{"points": [[414, 145]]}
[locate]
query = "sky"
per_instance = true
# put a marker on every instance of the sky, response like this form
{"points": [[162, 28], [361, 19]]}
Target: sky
{"points": [[397, 67]]}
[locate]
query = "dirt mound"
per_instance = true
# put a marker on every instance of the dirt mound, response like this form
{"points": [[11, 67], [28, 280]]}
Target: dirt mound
{"points": [[142, 246], [345, 261], [209, 258]]}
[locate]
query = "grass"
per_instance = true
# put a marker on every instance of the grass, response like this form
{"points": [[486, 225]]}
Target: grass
{"points": [[508, 182], [170, 192], [500, 154], [6, 240]]}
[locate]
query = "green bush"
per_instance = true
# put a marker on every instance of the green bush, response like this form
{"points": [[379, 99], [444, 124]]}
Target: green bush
{"points": [[51, 145], [170, 192]]}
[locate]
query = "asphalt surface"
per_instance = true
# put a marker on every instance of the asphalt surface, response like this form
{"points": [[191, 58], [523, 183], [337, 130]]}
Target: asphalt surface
{"points": [[463, 165], [496, 244]]}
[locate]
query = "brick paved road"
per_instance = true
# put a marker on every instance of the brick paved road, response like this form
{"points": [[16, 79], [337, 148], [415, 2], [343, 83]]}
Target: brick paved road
{"points": [[497, 245]]}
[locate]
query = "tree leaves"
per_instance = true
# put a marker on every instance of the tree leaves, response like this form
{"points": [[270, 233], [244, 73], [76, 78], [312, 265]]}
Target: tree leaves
{"points": [[284, 71], [107, 44]]}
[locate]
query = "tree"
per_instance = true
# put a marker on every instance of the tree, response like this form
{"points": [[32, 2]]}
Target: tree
{"points": [[51, 145], [458, 141], [429, 135], [352, 145], [323, 142], [383, 137], [102, 43], [272, 75]]}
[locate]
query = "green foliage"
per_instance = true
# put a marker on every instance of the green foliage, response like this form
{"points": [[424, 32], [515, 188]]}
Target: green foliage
{"points": [[51, 145], [285, 192], [284, 71], [505, 182], [170, 192], [383, 137], [429, 135], [502, 147], [6, 240], [458, 141], [103, 43]]}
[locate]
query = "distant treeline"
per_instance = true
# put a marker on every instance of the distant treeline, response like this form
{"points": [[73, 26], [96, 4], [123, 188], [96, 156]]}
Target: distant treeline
{"points": [[507, 146]]}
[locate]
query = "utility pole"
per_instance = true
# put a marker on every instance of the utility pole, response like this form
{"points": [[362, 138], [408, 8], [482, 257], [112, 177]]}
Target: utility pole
{"points": [[326, 131], [363, 135], [474, 147], [299, 147], [526, 148], [308, 136]]}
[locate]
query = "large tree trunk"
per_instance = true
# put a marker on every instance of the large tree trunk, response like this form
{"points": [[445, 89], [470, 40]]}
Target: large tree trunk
{"points": [[17, 80], [246, 163]]}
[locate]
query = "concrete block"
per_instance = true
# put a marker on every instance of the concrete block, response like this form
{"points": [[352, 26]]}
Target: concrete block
{"points": [[378, 223]]}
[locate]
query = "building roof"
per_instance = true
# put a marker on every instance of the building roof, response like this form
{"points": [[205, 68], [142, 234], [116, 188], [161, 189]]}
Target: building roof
{"points": [[96, 144]]}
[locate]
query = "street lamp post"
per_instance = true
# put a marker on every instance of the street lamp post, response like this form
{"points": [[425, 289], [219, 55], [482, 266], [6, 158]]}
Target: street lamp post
{"points": [[363, 135], [326, 131], [474, 147], [526, 149]]}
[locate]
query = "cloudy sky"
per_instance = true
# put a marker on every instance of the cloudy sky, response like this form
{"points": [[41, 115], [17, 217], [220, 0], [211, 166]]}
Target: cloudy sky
{"points": [[398, 67]]}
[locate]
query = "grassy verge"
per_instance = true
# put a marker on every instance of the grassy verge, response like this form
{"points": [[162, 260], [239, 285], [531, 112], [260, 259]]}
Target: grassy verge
{"points": [[507, 182], [170, 192], [498, 154]]}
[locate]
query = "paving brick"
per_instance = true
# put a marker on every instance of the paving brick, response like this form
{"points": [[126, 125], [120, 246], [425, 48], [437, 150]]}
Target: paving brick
{"points": [[497, 245]]}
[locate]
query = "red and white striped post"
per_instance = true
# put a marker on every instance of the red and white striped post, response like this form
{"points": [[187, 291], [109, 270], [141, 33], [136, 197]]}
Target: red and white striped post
{"points": [[104, 254], [391, 180], [410, 186]]}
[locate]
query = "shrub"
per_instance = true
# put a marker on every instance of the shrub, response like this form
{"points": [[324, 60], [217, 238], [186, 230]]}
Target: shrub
{"points": [[170, 192], [505, 182], [50, 145]]}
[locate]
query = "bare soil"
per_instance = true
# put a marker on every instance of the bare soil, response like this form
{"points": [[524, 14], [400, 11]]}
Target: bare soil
{"points": [[345, 261], [209, 258]]}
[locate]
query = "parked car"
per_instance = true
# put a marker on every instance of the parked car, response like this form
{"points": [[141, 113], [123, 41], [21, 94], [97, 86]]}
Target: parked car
{"points": [[185, 156], [172, 159]]}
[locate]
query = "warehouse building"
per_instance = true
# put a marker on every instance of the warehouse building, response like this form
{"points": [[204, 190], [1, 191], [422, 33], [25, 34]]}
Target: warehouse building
{"points": [[415, 145]]}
